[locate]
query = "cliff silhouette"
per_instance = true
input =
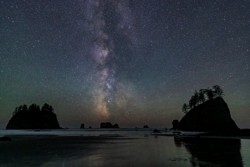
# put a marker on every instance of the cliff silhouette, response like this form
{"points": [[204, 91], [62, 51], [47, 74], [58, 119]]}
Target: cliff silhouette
{"points": [[33, 118], [211, 116]]}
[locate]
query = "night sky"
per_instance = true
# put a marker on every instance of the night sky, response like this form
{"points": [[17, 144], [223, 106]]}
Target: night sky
{"points": [[130, 62]]}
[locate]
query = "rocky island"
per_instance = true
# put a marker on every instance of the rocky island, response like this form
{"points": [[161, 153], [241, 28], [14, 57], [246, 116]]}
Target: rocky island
{"points": [[108, 125], [211, 116], [208, 112], [33, 117]]}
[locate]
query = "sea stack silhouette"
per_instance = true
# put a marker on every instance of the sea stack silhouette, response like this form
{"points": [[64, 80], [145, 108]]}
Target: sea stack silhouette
{"points": [[33, 117], [108, 125], [211, 116]]}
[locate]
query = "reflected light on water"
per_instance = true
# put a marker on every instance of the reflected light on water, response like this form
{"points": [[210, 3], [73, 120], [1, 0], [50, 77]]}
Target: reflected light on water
{"points": [[141, 149]]}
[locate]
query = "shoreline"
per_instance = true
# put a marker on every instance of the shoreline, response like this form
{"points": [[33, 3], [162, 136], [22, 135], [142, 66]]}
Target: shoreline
{"points": [[106, 134]]}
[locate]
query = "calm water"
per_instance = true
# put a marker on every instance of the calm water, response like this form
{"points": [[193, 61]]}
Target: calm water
{"points": [[135, 148]]}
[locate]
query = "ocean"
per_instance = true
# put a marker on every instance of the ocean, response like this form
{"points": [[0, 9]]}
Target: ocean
{"points": [[118, 147]]}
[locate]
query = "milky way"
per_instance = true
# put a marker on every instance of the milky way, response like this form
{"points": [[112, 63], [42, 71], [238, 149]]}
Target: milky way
{"points": [[103, 52]]}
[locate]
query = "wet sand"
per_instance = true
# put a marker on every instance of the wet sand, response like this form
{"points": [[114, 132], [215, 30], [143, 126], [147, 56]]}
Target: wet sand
{"points": [[114, 149], [85, 151]]}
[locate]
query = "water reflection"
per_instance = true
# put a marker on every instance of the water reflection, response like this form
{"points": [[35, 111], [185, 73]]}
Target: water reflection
{"points": [[143, 151], [39, 151], [212, 152]]}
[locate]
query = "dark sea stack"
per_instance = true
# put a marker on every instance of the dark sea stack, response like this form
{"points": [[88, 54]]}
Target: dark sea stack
{"points": [[108, 125], [211, 116], [115, 126], [82, 126], [145, 126], [33, 118]]}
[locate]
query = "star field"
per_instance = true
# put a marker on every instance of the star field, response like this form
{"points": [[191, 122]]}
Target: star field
{"points": [[130, 62]]}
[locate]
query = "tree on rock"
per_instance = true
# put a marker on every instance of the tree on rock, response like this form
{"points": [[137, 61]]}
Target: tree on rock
{"points": [[210, 94], [34, 108], [201, 97], [185, 108], [47, 108], [33, 117], [217, 90]]}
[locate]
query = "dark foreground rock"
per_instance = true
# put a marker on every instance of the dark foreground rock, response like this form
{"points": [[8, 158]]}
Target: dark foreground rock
{"points": [[108, 125], [33, 118], [211, 116]]}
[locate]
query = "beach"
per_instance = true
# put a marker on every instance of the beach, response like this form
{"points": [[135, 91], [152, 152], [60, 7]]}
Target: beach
{"points": [[103, 148]]}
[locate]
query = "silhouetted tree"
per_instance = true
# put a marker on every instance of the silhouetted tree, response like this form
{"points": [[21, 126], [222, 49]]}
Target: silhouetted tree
{"points": [[210, 94], [20, 109], [202, 96], [196, 98], [185, 108], [34, 107], [191, 102], [25, 108], [47, 108], [217, 90], [15, 112]]}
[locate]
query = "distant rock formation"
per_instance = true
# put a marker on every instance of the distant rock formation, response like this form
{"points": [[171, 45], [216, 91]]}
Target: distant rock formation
{"points": [[115, 126], [33, 118], [82, 126], [108, 125], [211, 116], [145, 126]]}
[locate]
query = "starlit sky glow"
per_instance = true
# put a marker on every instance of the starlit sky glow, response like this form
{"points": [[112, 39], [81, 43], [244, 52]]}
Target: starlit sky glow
{"points": [[131, 62]]}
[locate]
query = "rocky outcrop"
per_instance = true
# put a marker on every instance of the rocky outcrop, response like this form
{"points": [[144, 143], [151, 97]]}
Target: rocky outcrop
{"points": [[33, 118], [145, 126], [211, 116], [108, 125], [82, 126]]}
